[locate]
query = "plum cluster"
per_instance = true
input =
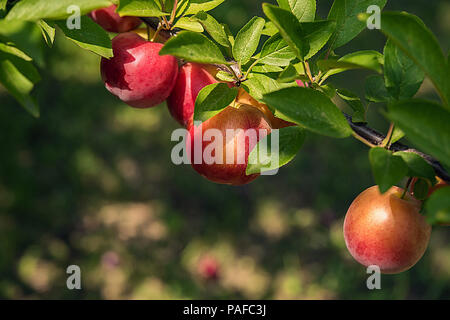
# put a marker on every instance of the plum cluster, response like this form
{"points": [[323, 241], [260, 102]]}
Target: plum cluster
{"points": [[386, 230], [141, 78]]}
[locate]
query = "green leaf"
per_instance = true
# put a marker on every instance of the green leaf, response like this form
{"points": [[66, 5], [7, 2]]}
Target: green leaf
{"points": [[310, 109], [227, 30], [367, 59], [304, 10], [289, 28], [140, 8], [20, 61], [329, 90], [426, 124], [267, 69], [214, 28], [187, 24], [269, 29], [305, 39], [359, 111], [18, 85], [225, 76], [387, 169], [421, 187], [91, 37], [33, 10], [247, 40], [291, 73], [417, 165], [317, 35], [195, 6], [257, 85], [397, 135], [345, 13], [194, 47], [27, 36], [3, 4], [48, 31], [411, 35], [182, 6], [10, 48], [212, 99], [402, 76], [376, 90], [437, 207], [267, 157], [276, 52]]}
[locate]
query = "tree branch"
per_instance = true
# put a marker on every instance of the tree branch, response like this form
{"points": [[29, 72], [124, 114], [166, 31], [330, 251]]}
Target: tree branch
{"points": [[362, 130], [377, 139]]}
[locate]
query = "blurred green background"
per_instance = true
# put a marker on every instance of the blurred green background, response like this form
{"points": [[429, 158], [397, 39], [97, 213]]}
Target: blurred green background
{"points": [[91, 183]]}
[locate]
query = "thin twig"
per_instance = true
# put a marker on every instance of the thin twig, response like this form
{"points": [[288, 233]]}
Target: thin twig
{"points": [[174, 10], [408, 183], [387, 141], [367, 143], [250, 69], [307, 70], [157, 33], [163, 9]]}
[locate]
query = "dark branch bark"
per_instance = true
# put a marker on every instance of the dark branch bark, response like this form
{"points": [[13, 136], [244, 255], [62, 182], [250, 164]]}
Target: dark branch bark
{"points": [[361, 130], [377, 138]]}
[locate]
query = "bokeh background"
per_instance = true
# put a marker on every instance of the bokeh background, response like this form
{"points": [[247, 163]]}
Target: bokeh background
{"points": [[91, 183]]}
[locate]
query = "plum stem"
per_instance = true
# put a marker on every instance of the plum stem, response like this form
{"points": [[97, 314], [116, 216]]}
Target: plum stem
{"points": [[308, 71], [367, 143], [408, 183], [148, 32], [160, 27], [174, 11]]}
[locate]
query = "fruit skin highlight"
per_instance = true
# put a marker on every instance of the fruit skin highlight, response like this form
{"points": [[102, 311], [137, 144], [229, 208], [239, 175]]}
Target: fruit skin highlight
{"points": [[385, 230], [192, 78], [243, 117], [137, 74], [110, 20]]}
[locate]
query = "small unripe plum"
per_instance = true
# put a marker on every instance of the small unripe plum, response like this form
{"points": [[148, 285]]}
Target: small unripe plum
{"points": [[192, 78], [110, 20], [225, 161], [276, 123], [137, 74], [386, 230]]}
